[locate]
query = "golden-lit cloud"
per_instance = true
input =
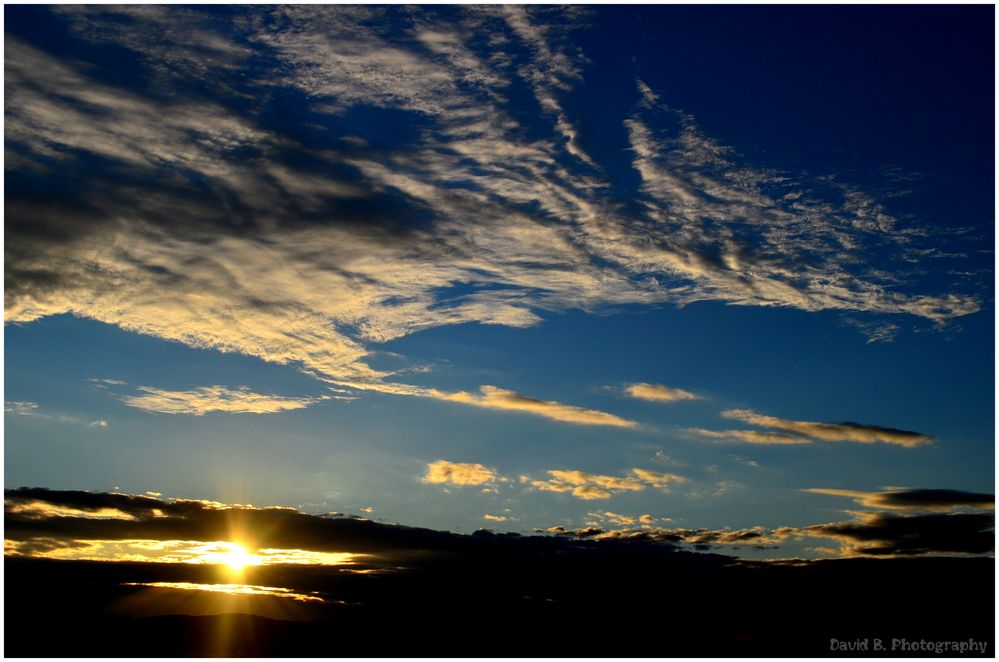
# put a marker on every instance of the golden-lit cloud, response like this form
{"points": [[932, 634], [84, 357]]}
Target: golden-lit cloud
{"points": [[208, 399], [39, 509], [623, 520], [659, 393], [751, 436], [443, 472], [589, 486], [492, 397], [477, 219], [231, 556], [233, 589], [498, 398], [656, 479], [855, 432], [495, 518]]}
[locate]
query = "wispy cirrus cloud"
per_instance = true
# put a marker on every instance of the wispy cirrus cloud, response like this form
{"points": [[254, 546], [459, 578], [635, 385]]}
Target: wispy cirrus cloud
{"points": [[659, 393], [875, 332], [31, 409], [209, 399], [190, 217], [20, 408]]}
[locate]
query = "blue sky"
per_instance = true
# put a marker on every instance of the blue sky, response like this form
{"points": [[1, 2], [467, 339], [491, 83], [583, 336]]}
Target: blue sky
{"points": [[562, 266]]}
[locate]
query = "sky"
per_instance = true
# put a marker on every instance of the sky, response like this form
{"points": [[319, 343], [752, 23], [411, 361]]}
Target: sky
{"points": [[648, 269]]}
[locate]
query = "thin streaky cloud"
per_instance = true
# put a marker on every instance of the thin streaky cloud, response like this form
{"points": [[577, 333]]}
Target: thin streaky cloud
{"points": [[497, 398], [751, 436], [847, 431], [214, 399], [914, 499], [659, 393]]}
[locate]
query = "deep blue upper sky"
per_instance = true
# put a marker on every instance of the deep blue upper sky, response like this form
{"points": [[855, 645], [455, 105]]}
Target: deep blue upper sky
{"points": [[554, 265]]}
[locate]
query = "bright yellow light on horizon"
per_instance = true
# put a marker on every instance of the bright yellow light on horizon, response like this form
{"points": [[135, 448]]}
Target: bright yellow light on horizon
{"points": [[230, 554], [238, 558]]}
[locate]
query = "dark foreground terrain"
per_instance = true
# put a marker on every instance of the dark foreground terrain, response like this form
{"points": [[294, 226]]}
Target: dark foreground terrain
{"points": [[579, 602]]}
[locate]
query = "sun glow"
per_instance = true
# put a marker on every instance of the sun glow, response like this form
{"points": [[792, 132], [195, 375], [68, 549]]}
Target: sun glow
{"points": [[235, 556], [233, 589], [230, 554]]}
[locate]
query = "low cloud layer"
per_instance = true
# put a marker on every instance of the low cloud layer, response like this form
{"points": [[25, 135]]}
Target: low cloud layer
{"points": [[932, 521], [75, 524], [914, 499], [701, 539], [885, 534]]}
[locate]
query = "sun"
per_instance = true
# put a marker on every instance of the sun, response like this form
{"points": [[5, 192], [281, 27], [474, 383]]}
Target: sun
{"points": [[232, 555], [238, 558]]}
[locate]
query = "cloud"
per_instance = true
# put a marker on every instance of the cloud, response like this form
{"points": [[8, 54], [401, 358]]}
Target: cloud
{"points": [[623, 520], [110, 523], [914, 499], [443, 472], [751, 436], [876, 332], [207, 399], [659, 393], [497, 398], [885, 534], [177, 210], [856, 432], [31, 409], [232, 589], [110, 526], [758, 537], [919, 522], [122, 527], [20, 408], [495, 518], [589, 486]]}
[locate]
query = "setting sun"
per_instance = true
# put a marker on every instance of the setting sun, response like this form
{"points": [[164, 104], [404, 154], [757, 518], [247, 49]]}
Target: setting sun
{"points": [[233, 555], [238, 558]]}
